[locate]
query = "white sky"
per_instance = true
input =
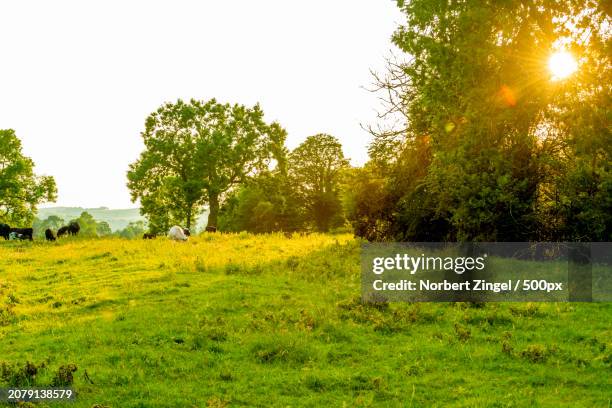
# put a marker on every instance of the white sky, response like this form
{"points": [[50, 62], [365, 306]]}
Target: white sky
{"points": [[78, 78]]}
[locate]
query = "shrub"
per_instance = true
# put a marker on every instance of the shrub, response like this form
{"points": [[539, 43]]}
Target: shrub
{"points": [[535, 353], [64, 375]]}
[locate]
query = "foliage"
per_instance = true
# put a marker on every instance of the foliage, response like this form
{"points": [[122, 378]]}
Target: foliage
{"points": [[52, 222], [303, 192], [266, 204], [90, 227], [315, 170], [492, 148], [195, 153], [133, 230], [116, 218], [20, 189]]}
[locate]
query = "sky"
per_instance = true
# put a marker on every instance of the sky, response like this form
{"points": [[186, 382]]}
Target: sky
{"points": [[78, 79]]}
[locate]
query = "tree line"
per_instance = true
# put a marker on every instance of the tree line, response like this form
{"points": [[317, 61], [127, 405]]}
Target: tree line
{"points": [[227, 158], [489, 147], [89, 227]]}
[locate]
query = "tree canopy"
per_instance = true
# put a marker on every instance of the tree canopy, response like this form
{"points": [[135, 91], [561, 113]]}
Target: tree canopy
{"points": [[21, 190], [304, 191], [53, 222], [494, 147], [195, 152], [90, 227], [315, 168], [134, 229]]}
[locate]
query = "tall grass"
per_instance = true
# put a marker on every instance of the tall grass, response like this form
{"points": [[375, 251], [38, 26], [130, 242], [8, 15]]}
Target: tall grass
{"points": [[244, 320]]}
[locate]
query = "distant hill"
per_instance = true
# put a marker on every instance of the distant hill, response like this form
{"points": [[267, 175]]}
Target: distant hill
{"points": [[117, 219]]}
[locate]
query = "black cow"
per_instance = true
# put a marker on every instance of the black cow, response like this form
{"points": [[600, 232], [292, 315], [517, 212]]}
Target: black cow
{"points": [[62, 231], [148, 235], [74, 228], [49, 235], [211, 229], [23, 233], [5, 230]]}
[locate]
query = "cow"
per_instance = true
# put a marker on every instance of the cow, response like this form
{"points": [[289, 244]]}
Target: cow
{"points": [[49, 235], [148, 235], [5, 230], [73, 228], [23, 233], [14, 236], [62, 231], [177, 233], [186, 232], [211, 229]]}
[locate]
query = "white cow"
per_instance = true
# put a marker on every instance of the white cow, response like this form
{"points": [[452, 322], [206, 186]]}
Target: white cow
{"points": [[177, 233]]}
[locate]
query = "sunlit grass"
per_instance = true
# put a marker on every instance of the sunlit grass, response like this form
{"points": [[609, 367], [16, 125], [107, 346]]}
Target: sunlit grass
{"points": [[244, 320]]}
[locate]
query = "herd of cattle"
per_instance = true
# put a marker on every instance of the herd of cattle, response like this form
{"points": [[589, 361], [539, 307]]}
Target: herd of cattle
{"points": [[175, 233], [10, 233]]}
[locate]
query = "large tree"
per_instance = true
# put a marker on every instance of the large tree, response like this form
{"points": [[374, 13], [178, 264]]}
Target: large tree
{"points": [[195, 152], [21, 191], [499, 138], [315, 168], [266, 203]]}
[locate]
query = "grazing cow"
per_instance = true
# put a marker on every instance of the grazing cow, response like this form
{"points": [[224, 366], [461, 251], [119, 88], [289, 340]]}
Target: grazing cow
{"points": [[23, 233], [13, 236], [49, 235], [177, 233], [62, 231], [74, 228], [148, 235], [211, 229], [5, 230]]}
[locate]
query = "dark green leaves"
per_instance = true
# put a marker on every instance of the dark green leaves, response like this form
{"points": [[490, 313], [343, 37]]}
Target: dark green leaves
{"points": [[196, 152], [20, 189]]}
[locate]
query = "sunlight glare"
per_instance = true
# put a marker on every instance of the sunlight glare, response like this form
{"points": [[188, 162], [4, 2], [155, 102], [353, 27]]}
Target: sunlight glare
{"points": [[561, 65]]}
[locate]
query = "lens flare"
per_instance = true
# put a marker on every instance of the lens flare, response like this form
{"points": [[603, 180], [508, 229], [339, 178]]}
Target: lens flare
{"points": [[561, 65]]}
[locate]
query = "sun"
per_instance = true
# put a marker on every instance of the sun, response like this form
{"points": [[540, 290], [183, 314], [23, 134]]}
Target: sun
{"points": [[561, 65]]}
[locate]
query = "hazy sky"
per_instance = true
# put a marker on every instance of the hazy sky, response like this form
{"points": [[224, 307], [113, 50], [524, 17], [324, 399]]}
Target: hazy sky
{"points": [[78, 78]]}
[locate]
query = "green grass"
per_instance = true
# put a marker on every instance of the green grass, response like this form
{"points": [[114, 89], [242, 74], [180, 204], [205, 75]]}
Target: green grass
{"points": [[241, 320]]}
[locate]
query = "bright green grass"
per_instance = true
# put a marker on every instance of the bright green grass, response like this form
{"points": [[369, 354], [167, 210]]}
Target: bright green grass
{"points": [[240, 320]]}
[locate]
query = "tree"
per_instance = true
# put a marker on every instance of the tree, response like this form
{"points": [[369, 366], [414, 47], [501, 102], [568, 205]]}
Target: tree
{"points": [[133, 230], [315, 169], [366, 202], [502, 139], [53, 222], [266, 203], [21, 191], [90, 227], [195, 153], [103, 229]]}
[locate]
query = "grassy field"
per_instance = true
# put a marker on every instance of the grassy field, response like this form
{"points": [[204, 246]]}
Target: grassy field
{"points": [[242, 320]]}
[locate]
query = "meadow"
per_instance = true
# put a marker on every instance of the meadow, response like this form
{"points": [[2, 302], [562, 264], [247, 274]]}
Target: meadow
{"points": [[268, 320]]}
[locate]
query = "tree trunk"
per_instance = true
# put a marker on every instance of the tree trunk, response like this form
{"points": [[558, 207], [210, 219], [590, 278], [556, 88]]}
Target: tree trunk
{"points": [[214, 210], [188, 220]]}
